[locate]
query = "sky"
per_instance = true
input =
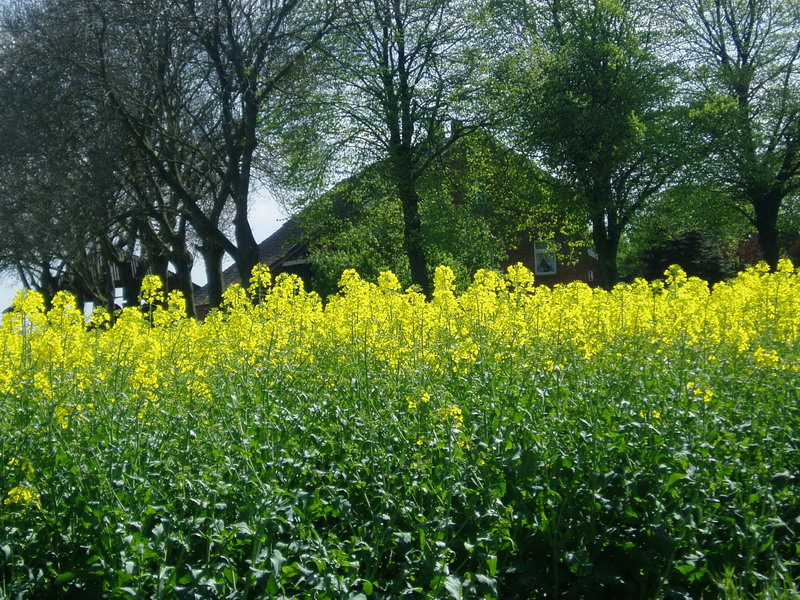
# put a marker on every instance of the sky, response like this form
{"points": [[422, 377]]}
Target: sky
{"points": [[266, 216]]}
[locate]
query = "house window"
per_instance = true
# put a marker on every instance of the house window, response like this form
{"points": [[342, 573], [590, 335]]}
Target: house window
{"points": [[591, 276], [544, 257]]}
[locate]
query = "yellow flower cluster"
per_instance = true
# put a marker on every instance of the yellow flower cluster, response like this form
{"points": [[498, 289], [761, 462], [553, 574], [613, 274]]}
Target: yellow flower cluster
{"points": [[23, 495], [272, 331], [452, 415], [22, 464], [698, 392], [413, 403]]}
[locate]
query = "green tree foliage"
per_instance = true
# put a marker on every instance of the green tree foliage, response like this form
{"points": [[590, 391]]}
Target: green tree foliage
{"points": [[356, 225], [183, 84], [742, 62], [679, 213], [588, 95], [696, 252], [396, 73], [475, 204], [141, 127]]}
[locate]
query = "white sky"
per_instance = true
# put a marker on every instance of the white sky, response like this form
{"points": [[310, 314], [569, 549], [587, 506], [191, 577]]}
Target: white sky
{"points": [[266, 216]]}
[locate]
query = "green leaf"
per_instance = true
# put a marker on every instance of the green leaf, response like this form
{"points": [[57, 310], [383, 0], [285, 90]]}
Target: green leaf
{"points": [[453, 586], [64, 577], [672, 479], [491, 562], [487, 581], [291, 570], [403, 536], [272, 586], [277, 561]]}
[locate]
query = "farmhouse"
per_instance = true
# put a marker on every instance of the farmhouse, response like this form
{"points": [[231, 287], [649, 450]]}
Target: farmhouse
{"points": [[287, 251], [482, 207]]}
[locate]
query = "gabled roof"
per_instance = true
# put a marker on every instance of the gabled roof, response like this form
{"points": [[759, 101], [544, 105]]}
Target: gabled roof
{"points": [[279, 245]]}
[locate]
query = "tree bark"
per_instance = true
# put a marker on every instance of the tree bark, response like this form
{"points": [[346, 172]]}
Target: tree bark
{"points": [[159, 265], [412, 224], [766, 223], [606, 241], [183, 271], [128, 283], [212, 257], [247, 253]]}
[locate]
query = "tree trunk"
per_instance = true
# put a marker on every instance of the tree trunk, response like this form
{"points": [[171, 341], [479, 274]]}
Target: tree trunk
{"points": [[412, 224], [48, 286], [183, 272], [606, 241], [128, 283], [159, 266], [109, 290], [247, 253], [766, 223], [80, 297], [212, 257]]}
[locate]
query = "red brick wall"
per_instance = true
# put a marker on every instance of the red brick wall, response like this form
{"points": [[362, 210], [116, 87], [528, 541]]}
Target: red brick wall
{"points": [[749, 251], [565, 273]]}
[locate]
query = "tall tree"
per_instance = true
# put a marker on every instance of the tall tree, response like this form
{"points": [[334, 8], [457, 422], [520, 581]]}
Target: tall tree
{"points": [[743, 74], [588, 96], [210, 67], [59, 189], [401, 74], [476, 204], [75, 214]]}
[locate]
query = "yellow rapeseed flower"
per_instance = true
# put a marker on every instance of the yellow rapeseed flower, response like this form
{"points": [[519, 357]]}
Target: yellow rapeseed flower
{"points": [[23, 495]]}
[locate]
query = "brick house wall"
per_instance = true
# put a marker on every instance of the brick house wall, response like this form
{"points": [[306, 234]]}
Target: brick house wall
{"points": [[586, 267]]}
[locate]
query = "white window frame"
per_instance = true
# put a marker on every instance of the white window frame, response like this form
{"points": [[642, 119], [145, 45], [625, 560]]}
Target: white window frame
{"points": [[295, 262], [544, 256]]}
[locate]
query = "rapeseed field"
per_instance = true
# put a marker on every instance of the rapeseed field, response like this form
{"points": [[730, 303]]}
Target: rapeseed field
{"points": [[507, 441]]}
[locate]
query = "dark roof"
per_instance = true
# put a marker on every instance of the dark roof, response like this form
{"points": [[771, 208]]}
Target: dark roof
{"points": [[279, 245], [274, 249]]}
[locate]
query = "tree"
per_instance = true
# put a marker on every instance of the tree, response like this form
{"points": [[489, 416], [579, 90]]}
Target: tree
{"points": [[186, 82], [76, 214], [695, 251], [212, 65], [588, 96], [398, 74], [686, 218], [743, 74], [475, 205], [59, 188]]}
